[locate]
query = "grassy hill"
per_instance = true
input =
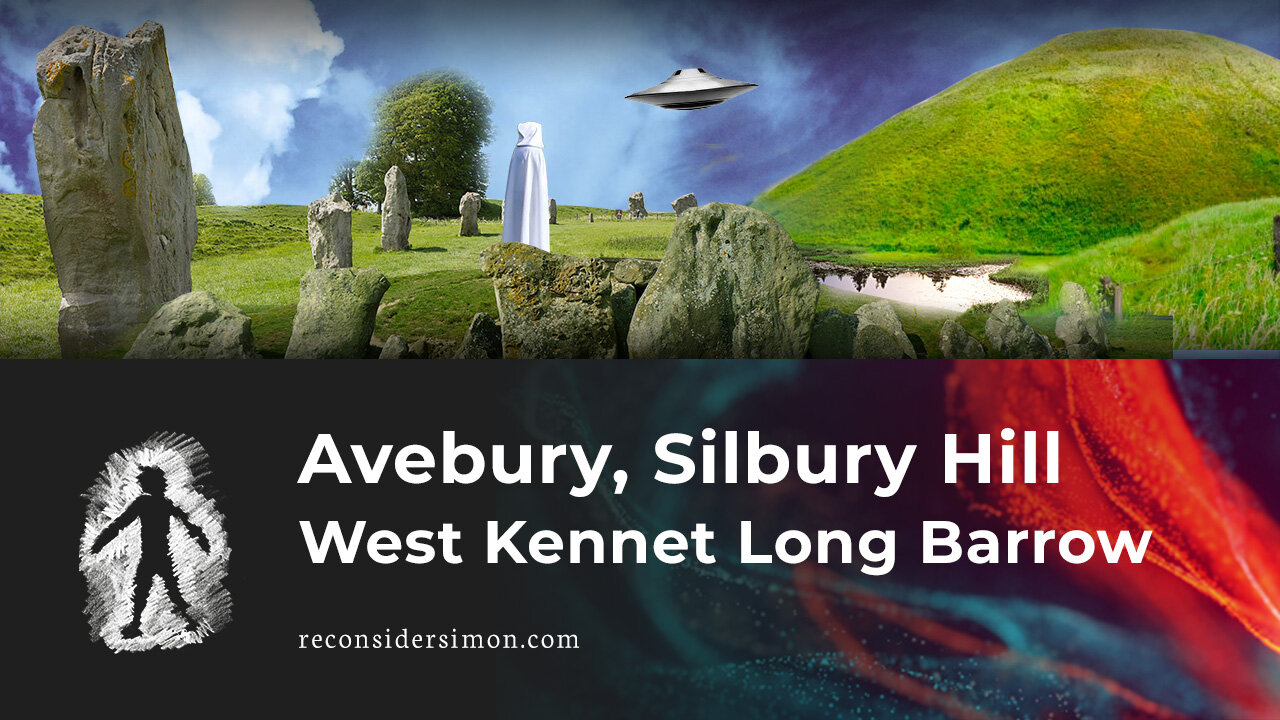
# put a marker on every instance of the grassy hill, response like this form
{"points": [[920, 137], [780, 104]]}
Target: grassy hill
{"points": [[1091, 136], [24, 250], [1210, 269]]}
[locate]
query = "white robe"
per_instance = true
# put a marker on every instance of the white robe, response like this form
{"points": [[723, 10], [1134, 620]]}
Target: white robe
{"points": [[525, 215]]}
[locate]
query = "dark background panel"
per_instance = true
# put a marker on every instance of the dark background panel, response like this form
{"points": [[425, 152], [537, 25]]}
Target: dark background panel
{"points": [[636, 625]]}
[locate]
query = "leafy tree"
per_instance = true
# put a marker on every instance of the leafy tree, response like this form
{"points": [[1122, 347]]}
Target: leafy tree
{"points": [[344, 183], [204, 190], [433, 126]]}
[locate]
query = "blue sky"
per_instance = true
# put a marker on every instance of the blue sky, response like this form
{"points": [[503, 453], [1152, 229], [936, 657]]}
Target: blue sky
{"points": [[275, 93]]}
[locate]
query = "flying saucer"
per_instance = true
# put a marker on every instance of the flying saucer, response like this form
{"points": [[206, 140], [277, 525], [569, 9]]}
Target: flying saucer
{"points": [[691, 89]]}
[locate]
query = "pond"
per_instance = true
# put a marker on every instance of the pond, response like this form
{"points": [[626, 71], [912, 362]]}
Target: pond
{"points": [[953, 288]]}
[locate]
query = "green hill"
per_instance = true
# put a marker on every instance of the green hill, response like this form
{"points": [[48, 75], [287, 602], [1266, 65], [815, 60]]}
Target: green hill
{"points": [[1091, 136], [1211, 270]]}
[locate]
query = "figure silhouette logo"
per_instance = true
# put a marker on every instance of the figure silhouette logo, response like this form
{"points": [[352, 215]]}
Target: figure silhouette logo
{"points": [[154, 549]]}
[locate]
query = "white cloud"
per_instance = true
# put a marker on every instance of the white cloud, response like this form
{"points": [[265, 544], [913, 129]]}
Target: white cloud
{"points": [[267, 109], [200, 129], [255, 183], [352, 91], [249, 64], [8, 182], [240, 68]]}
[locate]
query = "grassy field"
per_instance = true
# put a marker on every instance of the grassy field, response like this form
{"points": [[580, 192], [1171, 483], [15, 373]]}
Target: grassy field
{"points": [[23, 246], [1210, 269], [1091, 136], [255, 256]]}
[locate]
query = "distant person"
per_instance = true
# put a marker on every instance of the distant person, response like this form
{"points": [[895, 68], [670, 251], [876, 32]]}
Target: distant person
{"points": [[153, 510], [526, 217]]}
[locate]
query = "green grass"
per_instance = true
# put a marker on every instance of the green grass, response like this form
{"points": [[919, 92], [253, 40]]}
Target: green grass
{"points": [[1210, 269], [23, 247], [1091, 136], [255, 256]]}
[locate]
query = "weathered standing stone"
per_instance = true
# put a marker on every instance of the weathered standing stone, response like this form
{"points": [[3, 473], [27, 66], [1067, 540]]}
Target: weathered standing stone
{"points": [[635, 206], [329, 230], [832, 335], [551, 210], [684, 202], [731, 284], [1081, 325], [1275, 243], [1012, 337], [434, 349], [483, 340], [956, 343], [115, 181], [395, 348], [876, 343], [591, 217], [550, 306], [396, 222], [882, 315], [336, 313], [622, 299], [469, 209], [635, 272], [617, 214], [196, 326]]}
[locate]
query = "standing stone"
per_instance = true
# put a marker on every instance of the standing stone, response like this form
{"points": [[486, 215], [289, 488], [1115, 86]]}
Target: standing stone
{"points": [[483, 340], [1081, 326], [1275, 243], [196, 326], [469, 209], [1012, 337], [622, 298], [115, 181], [874, 342], [635, 206], [881, 314], [617, 214], [434, 349], [634, 271], [956, 343], [833, 335], [395, 348], [336, 313], [684, 202], [591, 217], [551, 209], [329, 230], [731, 285], [395, 212], [550, 306]]}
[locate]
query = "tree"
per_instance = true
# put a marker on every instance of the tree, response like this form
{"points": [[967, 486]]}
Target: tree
{"points": [[204, 190], [433, 126], [344, 183]]}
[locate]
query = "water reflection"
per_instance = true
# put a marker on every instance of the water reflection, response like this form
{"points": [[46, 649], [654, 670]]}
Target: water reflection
{"points": [[951, 289]]}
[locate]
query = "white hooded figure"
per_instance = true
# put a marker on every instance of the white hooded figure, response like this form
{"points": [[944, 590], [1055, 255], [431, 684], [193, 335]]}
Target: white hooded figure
{"points": [[525, 217]]}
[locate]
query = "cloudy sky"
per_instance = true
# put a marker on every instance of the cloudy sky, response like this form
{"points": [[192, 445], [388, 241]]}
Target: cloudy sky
{"points": [[275, 93]]}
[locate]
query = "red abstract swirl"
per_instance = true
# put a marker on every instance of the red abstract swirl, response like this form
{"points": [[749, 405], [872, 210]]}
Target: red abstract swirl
{"points": [[1129, 461]]}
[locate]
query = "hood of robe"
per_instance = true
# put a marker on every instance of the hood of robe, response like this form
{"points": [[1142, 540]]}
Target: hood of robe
{"points": [[530, 135]]}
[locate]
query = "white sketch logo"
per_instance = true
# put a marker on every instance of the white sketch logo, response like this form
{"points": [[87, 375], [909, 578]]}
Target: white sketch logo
{"points": [[154, 549]]}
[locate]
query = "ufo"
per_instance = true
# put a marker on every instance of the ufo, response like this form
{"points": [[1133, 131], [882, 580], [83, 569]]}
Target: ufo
{"points": [[691, 89]]}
